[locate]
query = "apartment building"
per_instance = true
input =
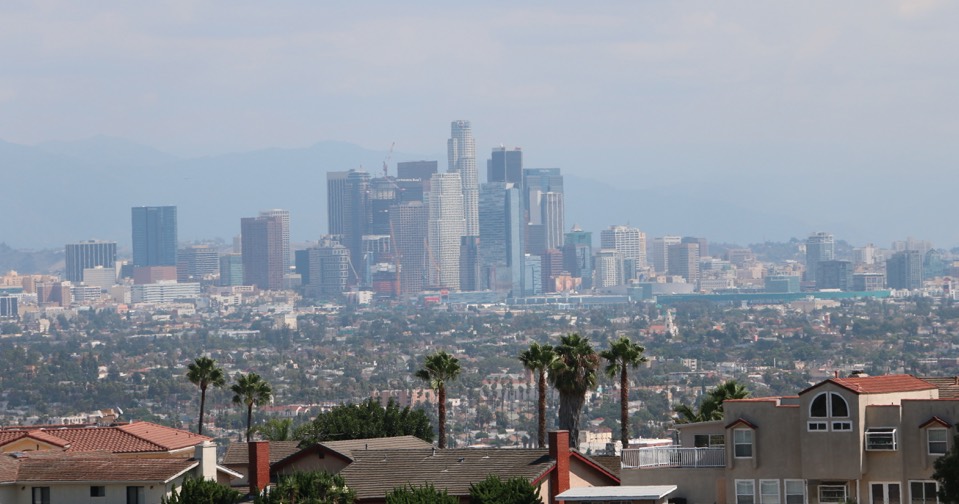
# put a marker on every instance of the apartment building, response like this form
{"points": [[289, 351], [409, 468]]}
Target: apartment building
{"points": [[869, 439]]}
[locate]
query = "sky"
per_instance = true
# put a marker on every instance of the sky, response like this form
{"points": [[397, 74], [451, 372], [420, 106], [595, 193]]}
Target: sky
{"points": [[740, 96]]}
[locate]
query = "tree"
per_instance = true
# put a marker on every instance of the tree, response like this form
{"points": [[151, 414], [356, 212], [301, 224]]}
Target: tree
{"points": [[711, 408], [368, 419], [202, 490], [493, 490], [621, 355], [204, 373], [538, 359], [573, 373], [439, 369], [276, 429], [947, 474], [317, 487], [426, 494], [250, 390]]}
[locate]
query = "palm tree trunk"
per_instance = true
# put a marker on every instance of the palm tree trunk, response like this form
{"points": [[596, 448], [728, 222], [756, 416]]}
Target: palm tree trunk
{"points": [[249, 420], [624, 405], [442, 413], [570, 408], [199, 429], [541, 441]]}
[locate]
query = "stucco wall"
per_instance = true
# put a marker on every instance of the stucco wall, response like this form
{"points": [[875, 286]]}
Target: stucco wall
{"points": [[697, 486]]}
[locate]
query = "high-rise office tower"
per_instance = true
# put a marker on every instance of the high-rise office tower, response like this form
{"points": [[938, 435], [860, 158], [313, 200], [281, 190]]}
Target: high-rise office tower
{"points": [[532, 275], [501, 247], [154, 235], [384, 193], [408, 222], [834, 275], [324, 269], [609, 269], [578, 256], [462, 158], [819, 247], [88, 254], [349, 209], [660, 252], [284, 216], [684, 261], [552, 263], [630, 242], [447, 224], [505, 166], [418, 170], [196, 262], [469, 263], [703, 244], [904, 270], [231, 270], [262, 244], [545, 208]]}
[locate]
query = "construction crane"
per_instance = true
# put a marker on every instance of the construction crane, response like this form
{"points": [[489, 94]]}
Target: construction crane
{"points": [[389, 157]]}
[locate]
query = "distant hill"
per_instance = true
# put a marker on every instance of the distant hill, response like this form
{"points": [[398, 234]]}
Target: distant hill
{"points": [[29, 262]]}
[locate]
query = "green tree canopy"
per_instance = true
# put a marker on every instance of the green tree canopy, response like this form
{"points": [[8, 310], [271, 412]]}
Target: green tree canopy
{"points": [[622, 355], [426, 494], [368, 419], [196, 490], [711, 408], [573, 373], [538, 359], [204, 373], [947, 474], [250, 390], [276, 429], [317, 487], [493, 490]]}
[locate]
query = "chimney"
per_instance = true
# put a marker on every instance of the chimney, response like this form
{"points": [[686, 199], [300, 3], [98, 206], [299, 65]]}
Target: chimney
{"points": [[206, 454], [559, 451], [259, 478]]}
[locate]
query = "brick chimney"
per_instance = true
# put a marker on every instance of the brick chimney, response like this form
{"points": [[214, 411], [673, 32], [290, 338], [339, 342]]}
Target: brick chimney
{"points": [[559, 451], [259, 453]]}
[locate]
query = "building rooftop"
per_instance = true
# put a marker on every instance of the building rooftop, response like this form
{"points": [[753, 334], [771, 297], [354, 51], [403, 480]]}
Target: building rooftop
{"points": [[617, 493], [56, 466], [136, 437], [885, 384]]}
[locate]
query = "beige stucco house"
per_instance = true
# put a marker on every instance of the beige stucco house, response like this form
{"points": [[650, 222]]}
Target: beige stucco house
{"points": [[869, 439]]}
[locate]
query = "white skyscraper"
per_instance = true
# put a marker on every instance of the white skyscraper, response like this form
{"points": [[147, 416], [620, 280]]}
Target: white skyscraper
{"points": [[462, 158], [284, 216], [445, 228], [631, 244]]}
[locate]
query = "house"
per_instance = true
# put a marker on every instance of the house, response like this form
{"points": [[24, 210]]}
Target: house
{"points": [[237, 457], [54, 476], [869, 439], [134, 439], [374, 473], [334, 456]]}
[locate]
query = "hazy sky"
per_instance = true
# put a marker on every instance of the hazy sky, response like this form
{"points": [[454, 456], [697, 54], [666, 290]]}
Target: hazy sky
{"points": [[657, 91]]}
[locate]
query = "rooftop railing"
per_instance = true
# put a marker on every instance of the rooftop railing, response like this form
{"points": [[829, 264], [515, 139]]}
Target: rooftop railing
{"points": [[673, 456]]}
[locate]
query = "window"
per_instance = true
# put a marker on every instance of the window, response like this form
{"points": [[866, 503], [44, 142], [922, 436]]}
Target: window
{"points": [[828, 405], [98, 491], [135, 495], [923, 492], [881, 439], [938, 441], [769, 492], [745, 492], [832, 493], [795, 491], [709, 440], [41, 495], [743, 443], [885, 493]]}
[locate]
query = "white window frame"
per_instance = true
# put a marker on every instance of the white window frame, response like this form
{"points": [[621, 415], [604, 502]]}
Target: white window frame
{"points": [[945, 441], [786, 494], [885, 490], [935, 494], [752, 486], [844, 487], [830, 422], [882, 431], [762, 495], [751, 444]]}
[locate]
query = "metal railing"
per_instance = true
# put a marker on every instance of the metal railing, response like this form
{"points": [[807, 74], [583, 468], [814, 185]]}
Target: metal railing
{"points": [[673, 456]]}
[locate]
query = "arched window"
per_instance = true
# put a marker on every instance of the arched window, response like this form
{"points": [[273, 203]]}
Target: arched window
{"points": [[824, 409]]}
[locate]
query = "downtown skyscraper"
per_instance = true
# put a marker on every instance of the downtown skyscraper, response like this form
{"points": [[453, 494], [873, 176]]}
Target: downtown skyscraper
{"points": [[154, 235], [284, 216], [262, 249], [446, 226], [349, 210], [461, 149]]}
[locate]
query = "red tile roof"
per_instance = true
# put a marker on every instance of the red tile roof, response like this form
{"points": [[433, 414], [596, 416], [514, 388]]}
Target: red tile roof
{"points": [[885, 384], [137, 437]]}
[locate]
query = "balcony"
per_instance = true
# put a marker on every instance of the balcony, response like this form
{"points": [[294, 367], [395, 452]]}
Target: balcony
{"points": [[673, 456]]}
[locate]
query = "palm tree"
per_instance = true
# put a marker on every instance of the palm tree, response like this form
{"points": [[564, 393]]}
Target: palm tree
{"points": [[250, 389], [712, 406], [538, 359], [623, 354], [439, 369], [204, 373], [573, 373]]}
